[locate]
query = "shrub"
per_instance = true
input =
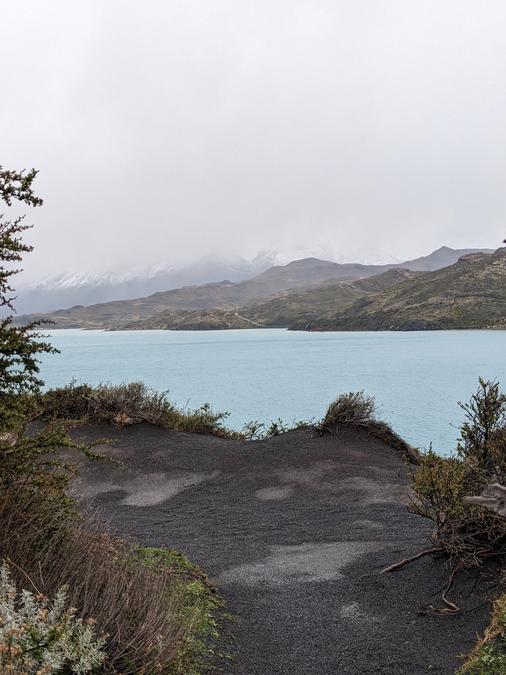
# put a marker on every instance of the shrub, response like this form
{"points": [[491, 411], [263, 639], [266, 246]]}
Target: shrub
{"points": [[130, 403], [149, 614], [358, 411], [464, 532], [354, 409], [489, 655], [42, 636], [467, 533]]}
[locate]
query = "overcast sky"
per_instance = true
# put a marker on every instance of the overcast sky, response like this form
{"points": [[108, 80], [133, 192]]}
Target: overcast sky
{"points": [[167, 130]]}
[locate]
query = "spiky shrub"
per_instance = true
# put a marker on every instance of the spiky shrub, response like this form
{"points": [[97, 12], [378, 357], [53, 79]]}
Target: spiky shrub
{"points": [[356, 410], [467, 533], [353, 409], [39, 635]]}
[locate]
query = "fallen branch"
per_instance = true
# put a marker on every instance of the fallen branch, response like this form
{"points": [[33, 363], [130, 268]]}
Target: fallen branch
{"points": [[406, 561]]}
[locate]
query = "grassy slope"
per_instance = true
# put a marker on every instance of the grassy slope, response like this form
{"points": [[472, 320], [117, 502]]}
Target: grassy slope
{"points": [[202, 607], [469, 294]]}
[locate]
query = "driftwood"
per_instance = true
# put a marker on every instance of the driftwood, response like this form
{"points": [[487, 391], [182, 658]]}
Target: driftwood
{"points": [[492, 498]]}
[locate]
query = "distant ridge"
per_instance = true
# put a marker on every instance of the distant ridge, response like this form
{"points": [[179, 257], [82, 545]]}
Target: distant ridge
{"points": [[471, 293], [225, 295]]}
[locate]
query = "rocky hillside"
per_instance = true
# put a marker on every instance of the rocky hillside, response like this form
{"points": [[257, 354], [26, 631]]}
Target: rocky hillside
{"points": [[469, 294], [280, 311]]}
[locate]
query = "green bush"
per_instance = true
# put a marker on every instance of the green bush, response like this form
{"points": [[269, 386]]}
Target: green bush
{"points": [[201, 608], [469, 534]]}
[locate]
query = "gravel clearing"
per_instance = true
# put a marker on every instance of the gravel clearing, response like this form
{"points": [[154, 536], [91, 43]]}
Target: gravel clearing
{"points": [[294, 530]]}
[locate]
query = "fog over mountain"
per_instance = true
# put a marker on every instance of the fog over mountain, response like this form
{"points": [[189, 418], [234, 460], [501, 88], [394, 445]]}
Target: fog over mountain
{"points": [[171, 132], [70, 289], [223, 293]]}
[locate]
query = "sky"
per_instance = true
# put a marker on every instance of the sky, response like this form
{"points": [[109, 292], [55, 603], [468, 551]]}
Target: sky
{"points": [[170, 130]]}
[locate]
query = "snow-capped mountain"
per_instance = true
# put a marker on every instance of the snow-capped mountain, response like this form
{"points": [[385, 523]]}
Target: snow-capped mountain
{"points": [[70, 288]]}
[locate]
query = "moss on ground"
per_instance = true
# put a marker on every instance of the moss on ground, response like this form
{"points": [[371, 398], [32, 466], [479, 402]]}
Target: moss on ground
{"points": [[489, 655], [203, 610]]}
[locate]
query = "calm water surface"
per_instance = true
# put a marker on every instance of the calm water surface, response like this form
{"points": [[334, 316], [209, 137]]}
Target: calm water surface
{"points": [[417, 377]]}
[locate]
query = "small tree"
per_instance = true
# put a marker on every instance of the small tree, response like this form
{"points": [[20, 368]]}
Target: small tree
{"points": [[465, 533], [19, 346], [485, 417]]}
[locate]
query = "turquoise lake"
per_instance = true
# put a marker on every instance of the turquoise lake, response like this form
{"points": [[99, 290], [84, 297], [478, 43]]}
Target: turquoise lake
{"points": [[416, 377]]}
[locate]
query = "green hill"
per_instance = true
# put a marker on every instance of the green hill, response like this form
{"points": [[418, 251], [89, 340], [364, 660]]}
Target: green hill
{"points": [[469, 294]]}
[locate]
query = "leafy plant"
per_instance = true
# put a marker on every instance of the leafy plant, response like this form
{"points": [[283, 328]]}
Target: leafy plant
{"points": [[19, 346], [42, 636]]}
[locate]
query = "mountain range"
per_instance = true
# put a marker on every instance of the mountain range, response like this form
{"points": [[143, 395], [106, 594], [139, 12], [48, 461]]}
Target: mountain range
{"points": [[69, 289], [309, 293]]}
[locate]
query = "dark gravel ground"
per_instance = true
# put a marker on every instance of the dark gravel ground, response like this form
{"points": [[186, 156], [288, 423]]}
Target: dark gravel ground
{"points": [[294, 531]]}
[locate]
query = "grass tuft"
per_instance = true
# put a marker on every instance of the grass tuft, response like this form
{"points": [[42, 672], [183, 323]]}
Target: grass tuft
{"points": [[358, 411], [131, 403]]}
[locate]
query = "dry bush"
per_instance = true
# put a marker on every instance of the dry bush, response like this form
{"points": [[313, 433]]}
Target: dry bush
{"points": [[353, 409], [140, 609], [130, 403], [358, 411]]}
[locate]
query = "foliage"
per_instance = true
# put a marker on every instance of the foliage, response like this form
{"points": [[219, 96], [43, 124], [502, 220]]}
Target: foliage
{"points": [[489, 655], [467, 533], [358, 411], [42, 636], [255, 430], [354, 409], [202, 609], [485, 416], [130, 403], [19, 346], [154, 617]]}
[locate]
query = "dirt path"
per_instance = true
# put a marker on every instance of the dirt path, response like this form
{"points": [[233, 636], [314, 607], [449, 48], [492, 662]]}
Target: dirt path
{"points": [[294, 531]]}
